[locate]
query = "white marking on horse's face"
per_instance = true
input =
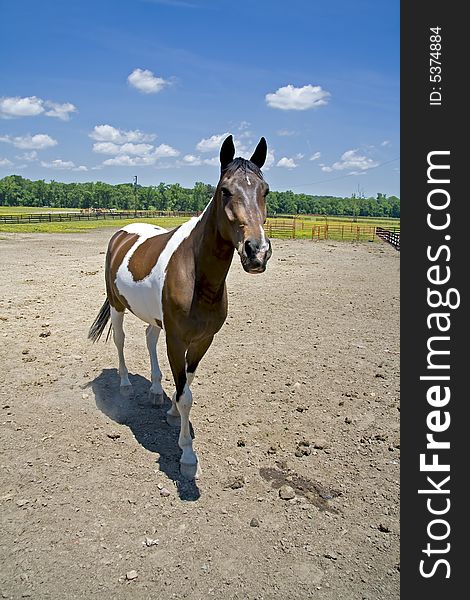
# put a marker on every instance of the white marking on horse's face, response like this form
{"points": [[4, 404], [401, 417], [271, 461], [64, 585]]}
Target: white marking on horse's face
{"points": [[264, 242]]}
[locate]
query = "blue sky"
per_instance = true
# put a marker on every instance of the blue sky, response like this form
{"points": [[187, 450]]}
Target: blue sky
{"points": [[109, 89]]}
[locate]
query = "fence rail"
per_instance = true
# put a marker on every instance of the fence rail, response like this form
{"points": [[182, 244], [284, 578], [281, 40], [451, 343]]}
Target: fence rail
{"points": [[302, 229], [390, 236], [275, 227], [87, 216]]}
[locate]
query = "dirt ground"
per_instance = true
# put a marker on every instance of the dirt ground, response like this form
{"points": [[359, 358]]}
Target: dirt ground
{"points": [[300, 388]]}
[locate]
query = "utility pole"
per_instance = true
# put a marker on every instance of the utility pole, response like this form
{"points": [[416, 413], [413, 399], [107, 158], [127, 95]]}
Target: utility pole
{"points": [[135, 195]]}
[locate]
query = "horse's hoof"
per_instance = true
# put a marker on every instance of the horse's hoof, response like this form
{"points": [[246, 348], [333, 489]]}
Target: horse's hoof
{"points": [[155, 399], [126, 390], [190, 471], [173, 421]]}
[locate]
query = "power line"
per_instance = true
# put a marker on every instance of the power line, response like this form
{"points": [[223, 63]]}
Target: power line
{"points": [[343, 176]]}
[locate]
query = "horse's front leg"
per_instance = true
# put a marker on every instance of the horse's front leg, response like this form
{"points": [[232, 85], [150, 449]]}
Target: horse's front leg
{"points": [[194, 355], [189, 464]]}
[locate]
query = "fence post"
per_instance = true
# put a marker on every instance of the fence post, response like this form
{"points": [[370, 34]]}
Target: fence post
{"points": [[293, 229]]}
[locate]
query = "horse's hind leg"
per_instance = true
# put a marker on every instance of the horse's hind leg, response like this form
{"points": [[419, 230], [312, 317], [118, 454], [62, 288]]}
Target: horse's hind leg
{"points": [[117, 319], [156, 390]]}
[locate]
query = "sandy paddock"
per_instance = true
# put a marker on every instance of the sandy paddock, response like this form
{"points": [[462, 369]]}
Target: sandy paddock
{"points": [[299, 388]]}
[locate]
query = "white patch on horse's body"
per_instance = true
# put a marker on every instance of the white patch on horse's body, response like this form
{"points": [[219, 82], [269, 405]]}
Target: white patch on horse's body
{"points": [[144, 229], [145, 296]]}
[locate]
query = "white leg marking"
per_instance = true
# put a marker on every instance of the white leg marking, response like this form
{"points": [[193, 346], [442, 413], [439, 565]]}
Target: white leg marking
{"points": [[188, 460], [117, 319], [156, 390], [173, 411]]}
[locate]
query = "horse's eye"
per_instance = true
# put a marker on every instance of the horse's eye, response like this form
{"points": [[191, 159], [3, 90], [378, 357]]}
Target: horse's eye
{"points": [[226, 192]]}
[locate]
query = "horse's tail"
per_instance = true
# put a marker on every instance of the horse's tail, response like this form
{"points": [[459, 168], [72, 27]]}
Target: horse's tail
{"points": [[99, 323]]}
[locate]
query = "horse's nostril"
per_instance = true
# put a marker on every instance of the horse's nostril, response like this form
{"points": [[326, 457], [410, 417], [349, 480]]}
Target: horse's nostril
{"points": [[251, 248]]}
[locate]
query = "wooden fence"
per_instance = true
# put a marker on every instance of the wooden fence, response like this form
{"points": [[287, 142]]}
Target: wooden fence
{"points": [[302, 229], [390, 236], [284, 228], [58, 217]]}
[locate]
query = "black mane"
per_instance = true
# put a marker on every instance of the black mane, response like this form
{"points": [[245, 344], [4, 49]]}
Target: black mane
{"points": [[245, 165]]}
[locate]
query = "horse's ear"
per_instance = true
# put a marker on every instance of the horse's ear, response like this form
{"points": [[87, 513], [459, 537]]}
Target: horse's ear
{"points": [[259, 155], [227, 152]]}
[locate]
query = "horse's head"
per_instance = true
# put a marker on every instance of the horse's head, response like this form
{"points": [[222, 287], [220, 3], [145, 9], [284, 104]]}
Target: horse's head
{"points": [[241, 196]]}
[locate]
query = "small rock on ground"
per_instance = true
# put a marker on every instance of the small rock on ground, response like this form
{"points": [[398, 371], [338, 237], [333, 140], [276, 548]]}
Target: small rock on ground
{"points": [[286, 492]]}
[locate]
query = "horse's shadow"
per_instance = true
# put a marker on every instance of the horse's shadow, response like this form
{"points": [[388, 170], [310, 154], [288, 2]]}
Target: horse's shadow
{"points": [[147, 423]]}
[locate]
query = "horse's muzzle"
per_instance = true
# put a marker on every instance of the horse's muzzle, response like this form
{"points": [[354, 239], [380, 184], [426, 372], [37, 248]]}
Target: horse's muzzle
{"points": [[255, 254]]}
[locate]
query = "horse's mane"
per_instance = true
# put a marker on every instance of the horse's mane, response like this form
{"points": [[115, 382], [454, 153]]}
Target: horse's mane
{"points": [[244, 164]]}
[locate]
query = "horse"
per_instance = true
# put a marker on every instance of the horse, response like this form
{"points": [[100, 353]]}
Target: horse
{"points": [[175, 280]]}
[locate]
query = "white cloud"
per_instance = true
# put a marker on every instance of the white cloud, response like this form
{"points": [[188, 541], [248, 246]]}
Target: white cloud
{"points": [[146, 82], [293, 98], [270, 160], [385, 143], [28, 156], [286, 132], [14, 106], [299, 156], [191, 160], [58, 164], [212, 162], [164, 150], [129, 161], [145, 159], [127, 148], [315, 156], [287, 163], [4, 162], [62, 165], [60, 111], [30, 142], [351, 160], [212, 143], [108, 133]]}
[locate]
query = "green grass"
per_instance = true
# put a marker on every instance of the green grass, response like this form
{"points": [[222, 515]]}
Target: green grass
{"points": [[84, 226], [339, 228]]}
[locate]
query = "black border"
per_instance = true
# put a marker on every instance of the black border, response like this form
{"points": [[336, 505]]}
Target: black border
{"points": [[426, 128]]}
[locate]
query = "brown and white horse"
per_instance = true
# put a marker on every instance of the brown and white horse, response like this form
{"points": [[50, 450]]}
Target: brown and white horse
{"points": [[175, 280]]}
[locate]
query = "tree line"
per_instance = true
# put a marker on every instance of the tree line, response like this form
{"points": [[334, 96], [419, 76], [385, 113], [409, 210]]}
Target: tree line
{"points": [[19, 191]]}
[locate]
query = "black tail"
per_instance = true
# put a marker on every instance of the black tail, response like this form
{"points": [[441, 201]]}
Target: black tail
{"points": [[99, 323]]}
